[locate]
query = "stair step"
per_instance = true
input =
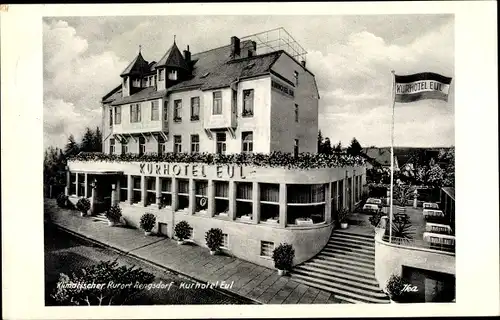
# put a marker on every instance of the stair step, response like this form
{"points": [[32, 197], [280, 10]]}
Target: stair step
{"points": [[315, 271], [351, 254], [340, 249], [354, 236], [352, 284], [336, 239], [343, 260], [345, 245], [355, 294], [322, 264], [348, 267]]}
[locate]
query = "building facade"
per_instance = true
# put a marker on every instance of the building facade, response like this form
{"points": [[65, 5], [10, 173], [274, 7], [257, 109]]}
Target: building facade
{"points": [[222, 102]]}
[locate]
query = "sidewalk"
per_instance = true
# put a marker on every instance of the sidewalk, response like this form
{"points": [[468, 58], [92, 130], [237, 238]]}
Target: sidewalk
{"points": [[258, 283]]}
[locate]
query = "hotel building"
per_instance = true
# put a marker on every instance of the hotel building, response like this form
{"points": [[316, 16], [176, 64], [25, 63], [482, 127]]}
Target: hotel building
{"points": [[230, 100]]}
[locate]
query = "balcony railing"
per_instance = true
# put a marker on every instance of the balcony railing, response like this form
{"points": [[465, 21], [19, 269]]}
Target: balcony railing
{"points": [[416, 243]]}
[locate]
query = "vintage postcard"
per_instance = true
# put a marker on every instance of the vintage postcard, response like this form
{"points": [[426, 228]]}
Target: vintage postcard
{"points": [[248, 158]]}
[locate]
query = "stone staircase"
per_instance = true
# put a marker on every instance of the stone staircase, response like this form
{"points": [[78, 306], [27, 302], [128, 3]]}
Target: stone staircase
{"points": [[345, 267]]}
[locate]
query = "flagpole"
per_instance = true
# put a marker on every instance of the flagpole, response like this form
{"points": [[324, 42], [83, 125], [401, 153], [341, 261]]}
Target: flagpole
{"points": [[392, 155]]}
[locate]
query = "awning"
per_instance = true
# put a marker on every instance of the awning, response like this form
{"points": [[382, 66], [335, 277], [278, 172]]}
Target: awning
{"points": [[98, 172]]}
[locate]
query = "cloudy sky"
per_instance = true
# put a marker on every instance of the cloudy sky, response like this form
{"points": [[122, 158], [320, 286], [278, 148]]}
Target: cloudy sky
{"points": [[351, 56]]}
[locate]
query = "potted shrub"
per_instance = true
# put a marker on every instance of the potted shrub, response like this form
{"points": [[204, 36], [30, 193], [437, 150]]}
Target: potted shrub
{"points": [[375, 219], [283, 258], [214, 239], [343, 218], [182, 231], [83, 205], [62, 200], [114, 214], [147, 223], [395, 288]]}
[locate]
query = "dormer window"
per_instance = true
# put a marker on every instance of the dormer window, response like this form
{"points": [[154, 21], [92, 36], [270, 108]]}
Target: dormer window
{"points": [[172, 75], [161, 75]]}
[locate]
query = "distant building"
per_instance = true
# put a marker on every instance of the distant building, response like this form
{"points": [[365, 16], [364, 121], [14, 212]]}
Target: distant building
{"points": [[379, 157]]}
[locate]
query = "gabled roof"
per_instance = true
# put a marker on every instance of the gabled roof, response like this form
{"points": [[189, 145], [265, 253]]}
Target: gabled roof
{"points": [[137, 66], [173, 58], [381, 156], [143, 95]]}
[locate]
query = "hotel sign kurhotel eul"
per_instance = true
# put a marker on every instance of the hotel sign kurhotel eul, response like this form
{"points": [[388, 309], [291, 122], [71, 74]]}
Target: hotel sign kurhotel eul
{"points": [[192, 170]]}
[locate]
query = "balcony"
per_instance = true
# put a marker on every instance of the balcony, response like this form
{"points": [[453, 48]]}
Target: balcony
{"points": [[142, 127], [225, 113]]}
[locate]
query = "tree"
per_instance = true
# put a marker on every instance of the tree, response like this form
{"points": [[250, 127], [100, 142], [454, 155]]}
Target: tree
{"points": [[320, 142], [338, 147], [403, 193], [354, 148], [327, 146], [130, 281], [88, 140], [71, 147], [97, 144]]}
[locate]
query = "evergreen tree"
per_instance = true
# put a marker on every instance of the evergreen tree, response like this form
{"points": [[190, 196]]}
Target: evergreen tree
{"points": [[338, 147], [97, 145], [71, 147], [327, 146], [87, 140], [320, 142], [354, 148]]}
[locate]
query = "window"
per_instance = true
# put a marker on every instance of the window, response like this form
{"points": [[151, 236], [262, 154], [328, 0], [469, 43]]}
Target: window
{"points": [[177, 110], [124, 147], [247, 142], [162, 147], [125, 82], [118, 115], [142, 146], [306, 203], [201, 191], [155, 111], [195, 108], [296, 148], [166, 192], [296, 76], [221, 142], [221, 198], [217, 107], [81, 184], [150, 190], [269, 192], [172, 75], [136, 189], [110, 117], [135, 113], [177, 144], [266, 248], [225, 241], [183, 194], [244, 210], [165, 109], [111, 146], [123, 188], [247, 103], [161, 75], [195, 143], [296, 113], [72, 184]]}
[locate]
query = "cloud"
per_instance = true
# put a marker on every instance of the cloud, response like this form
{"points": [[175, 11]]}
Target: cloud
{"points": [[355, 84], [74, 82]]}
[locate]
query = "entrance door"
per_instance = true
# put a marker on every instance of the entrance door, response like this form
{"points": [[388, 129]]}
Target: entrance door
{"points": [[103, 192]]}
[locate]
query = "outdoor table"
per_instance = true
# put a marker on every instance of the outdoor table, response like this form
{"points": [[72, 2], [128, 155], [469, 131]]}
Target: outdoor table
{"points": [[303, 221], [430, 205], [437, 238], [437, 228], [432, 213]]}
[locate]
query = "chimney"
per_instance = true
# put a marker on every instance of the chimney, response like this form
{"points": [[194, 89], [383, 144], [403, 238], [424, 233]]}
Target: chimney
{"points": [[235, 46], [187, 56], [303, 63]]}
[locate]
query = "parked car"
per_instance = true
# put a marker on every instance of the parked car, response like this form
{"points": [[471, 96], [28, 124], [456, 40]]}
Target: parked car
{"points": [[374, 201], [371, 208]]}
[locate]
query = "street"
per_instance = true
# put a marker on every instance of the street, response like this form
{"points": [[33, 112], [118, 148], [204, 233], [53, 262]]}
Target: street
{"points": [[66, 253]]}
